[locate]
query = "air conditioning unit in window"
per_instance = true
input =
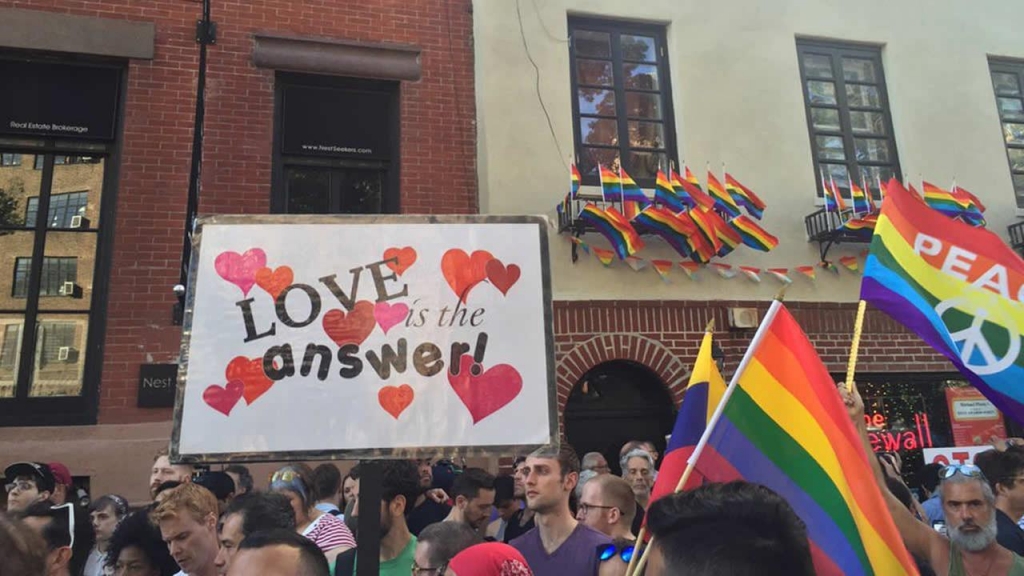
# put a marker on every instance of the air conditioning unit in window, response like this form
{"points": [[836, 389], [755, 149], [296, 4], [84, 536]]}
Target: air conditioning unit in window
{"points": [[67, 289], [79, 222], [63, 353]]}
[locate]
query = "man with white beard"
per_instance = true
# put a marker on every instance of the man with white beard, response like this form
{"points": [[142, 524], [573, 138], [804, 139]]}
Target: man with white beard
{"points": [[969, 506]]}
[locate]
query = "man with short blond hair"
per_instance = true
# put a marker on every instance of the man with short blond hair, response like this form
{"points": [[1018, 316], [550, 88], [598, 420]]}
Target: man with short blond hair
{"points": [[187, 518], [608, 505]]}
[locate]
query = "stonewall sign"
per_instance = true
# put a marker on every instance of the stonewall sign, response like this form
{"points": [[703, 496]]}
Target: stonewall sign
{"points": [[356, 337]]}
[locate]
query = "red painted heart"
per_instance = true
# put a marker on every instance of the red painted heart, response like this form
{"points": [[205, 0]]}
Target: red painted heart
{"points": [[403, 258], [223, 398], [395, 399], [273, 281], [249, 371], [488, 392], [501, 277], [463, 271], [351, 328]]}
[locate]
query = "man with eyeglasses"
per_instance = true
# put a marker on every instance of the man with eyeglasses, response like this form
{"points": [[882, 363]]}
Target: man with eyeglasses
{"points": [[607, 505], [969, 506], [27, 483], [68, 536], [1005, 473], [438, 543]]}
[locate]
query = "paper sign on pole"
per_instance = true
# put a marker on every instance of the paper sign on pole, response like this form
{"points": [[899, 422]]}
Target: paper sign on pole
{"points": [[973, 418], [360, 337]]}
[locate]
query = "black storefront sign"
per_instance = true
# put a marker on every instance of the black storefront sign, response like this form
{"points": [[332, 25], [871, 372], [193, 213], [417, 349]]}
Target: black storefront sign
{"points": [[157, 385], [59, 100], [336, 122]]}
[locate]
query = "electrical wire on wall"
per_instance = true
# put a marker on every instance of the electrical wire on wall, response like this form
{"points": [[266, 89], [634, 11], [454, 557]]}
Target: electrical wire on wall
{"points": [[536, 73]]}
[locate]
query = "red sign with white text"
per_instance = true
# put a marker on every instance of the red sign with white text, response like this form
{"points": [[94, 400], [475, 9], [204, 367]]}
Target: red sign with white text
{"points": [[973, 418]]}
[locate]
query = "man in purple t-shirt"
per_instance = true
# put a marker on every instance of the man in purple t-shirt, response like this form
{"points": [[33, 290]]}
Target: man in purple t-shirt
{"points": [[559, 545]]}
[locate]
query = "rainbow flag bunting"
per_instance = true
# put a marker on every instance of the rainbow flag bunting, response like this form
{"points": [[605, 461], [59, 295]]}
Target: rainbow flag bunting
{"points": [[581, 243], [662, 267], [613, 226], [861, 205], [605, 256], [723, 201], [828, 265], [665, 194], [784, 426], [753, 235], [809, 271], [690, 268], [611, 185], [724, 270], [675, 230], [637, 264], [744, 196], [754, 274], [574, 181], [780, 274], [969, 310], [851, 263]]}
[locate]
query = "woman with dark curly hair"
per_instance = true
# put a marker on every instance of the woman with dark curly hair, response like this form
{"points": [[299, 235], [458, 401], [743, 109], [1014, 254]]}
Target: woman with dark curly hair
{"points": [[137, 549]]}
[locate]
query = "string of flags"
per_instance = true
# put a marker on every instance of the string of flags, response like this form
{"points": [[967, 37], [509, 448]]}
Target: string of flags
{"points": [[692, 270], [698, 225]]}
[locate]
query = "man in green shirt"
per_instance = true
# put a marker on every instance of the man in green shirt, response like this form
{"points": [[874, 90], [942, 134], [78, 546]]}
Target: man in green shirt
{"points": [[400, 486]]}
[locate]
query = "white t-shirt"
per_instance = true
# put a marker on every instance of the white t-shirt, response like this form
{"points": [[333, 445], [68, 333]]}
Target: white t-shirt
{"points": [[94, 563]]}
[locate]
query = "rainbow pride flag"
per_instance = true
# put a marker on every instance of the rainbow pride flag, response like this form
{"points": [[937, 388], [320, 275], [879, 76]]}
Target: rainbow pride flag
{"points": [[784, 426], [674, 230], [705, 222], [729, 237], [723, 201], [941, 200], [613, 226], [958, 287], [744, 196], [861, 205], [753, 235], [604, 256], [574, 181], [633, 198], [665, 194], [690, 192], [702, 249], [611, 185], [972, 209], [862, 227]]}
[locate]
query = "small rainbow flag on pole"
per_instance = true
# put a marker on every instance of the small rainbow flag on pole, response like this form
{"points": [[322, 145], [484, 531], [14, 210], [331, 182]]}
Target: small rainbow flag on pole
{"points": [[860, 199], [704, 220], [574, 181], [753, 235], [691, 193], [723, 201], [665, 194], [613, 226], [744, 196], [830, 201], [611, 185], [633, 198], [674, 230]]}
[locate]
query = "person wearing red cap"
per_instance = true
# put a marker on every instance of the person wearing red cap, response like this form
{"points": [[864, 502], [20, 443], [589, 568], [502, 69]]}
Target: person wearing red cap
{"points": [[61, 482]]}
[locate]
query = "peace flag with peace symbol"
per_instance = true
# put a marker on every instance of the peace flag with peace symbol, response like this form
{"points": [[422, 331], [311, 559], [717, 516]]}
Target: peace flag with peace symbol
{"points": [[958, 287]]}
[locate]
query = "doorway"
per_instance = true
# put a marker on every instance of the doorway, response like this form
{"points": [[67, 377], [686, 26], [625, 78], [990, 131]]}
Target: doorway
{"points": [[616, 402]]}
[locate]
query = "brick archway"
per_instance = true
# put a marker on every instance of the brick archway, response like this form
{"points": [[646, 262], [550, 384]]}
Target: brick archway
{"points": [[571, 366]]}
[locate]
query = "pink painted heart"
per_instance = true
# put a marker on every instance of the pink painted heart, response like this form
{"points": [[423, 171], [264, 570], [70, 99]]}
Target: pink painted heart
{"points": [[388, 315], [501, 277], [485, 393], [223, 398], [240, 269]]}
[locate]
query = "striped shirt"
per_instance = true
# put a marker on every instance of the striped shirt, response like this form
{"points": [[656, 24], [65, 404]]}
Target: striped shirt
{"points": [[329, 533]]}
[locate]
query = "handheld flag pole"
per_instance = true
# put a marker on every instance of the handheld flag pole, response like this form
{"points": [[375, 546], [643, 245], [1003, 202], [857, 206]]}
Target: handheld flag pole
{"points": [[851, 364]]}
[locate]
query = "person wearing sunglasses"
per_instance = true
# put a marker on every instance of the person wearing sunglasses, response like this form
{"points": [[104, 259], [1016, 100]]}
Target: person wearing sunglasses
{"points": [[327, 531], [136, 549], [28, 483], [970, 547], [615, 557], [67, 532]]}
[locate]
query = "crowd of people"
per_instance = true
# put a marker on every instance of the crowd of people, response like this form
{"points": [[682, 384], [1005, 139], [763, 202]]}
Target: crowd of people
{"points": [[553, 514]]}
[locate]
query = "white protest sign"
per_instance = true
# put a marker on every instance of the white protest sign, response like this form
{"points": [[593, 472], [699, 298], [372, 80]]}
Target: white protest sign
{"points": [[953, 454], [329, 337]]}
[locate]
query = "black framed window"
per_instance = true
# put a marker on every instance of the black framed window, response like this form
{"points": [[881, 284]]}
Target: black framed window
{"points": [[848, 115], [63, 209], [9, 348], [335, 145], [10, 159], [621, 98], [1008, 83], [57, 272]]}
